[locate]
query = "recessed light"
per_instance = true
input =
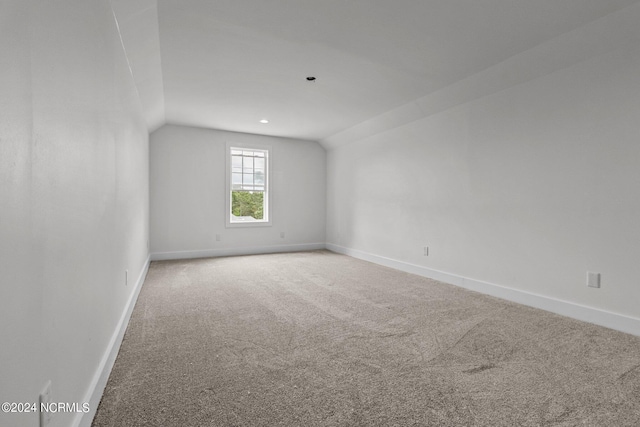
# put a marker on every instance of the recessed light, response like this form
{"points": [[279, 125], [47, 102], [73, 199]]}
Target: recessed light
{"points": [[311, 78], [265, 121]]}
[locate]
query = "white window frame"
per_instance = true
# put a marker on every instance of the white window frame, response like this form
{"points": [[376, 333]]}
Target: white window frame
{"points": [[266, 222]]}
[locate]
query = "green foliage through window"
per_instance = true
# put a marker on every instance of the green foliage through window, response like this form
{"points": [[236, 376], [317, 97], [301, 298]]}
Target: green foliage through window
{"points": [[247, 203]]}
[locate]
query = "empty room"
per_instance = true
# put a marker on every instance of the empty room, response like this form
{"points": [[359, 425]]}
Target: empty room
{"points": [[319, 213]]}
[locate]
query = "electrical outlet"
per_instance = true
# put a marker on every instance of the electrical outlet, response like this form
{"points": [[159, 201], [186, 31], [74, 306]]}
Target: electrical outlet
{"points": [[45, 401], [426, 251], [593, 279], [218, 238], [126, 277], [282, 234]]}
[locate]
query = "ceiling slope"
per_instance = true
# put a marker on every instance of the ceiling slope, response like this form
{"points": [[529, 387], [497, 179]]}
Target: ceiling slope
{"points": [[138, 25], [227, 64], [618, 30]]}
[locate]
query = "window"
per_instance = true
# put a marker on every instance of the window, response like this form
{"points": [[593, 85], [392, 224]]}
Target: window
{"points": [[247, 186]]}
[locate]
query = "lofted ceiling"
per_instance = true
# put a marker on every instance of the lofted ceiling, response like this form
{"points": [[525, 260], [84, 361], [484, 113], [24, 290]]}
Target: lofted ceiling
{"points": [[227, 64]]}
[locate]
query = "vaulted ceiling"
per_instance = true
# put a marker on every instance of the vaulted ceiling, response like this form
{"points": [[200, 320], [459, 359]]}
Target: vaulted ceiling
{"points": [[227, 64]]}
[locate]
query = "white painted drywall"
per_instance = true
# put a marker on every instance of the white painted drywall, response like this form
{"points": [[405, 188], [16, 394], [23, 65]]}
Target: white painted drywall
{"points": [[138, 24], [73, 197], [527, 187], [187, 194]]}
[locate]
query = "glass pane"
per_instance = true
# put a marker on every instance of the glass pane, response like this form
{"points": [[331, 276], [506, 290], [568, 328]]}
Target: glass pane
{"points": [[259, 163], [247, 153], [247, 179], [236, 152], [236, 180], [259, 154], [236, 164], [247, 164], [247, 206], [259, 178]]}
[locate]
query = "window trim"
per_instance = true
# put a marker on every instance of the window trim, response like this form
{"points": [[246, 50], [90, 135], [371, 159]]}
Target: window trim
{"points": [[267, 210]]}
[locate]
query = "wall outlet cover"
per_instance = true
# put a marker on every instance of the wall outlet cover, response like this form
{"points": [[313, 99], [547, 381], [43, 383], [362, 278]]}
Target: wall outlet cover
{"points": [[45, 400], [593, 279]]}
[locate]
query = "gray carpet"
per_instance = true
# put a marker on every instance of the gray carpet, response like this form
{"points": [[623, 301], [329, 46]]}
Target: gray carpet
{"points": [[320, 339]]}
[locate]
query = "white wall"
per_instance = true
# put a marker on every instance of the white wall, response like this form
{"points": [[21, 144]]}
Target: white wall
{"points": [[528, 187], [73, 197], [187, 195]]}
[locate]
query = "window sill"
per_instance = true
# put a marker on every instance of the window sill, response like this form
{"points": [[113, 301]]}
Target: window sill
{"points": [[248, 224]]}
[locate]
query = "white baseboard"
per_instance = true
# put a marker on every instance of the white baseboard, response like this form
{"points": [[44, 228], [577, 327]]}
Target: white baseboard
{"points": [[101, 376], [604, 318], [254, 250]]}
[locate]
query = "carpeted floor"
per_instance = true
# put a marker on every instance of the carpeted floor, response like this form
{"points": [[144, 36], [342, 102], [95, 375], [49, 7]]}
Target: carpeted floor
{"points": [[320, 339]]}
